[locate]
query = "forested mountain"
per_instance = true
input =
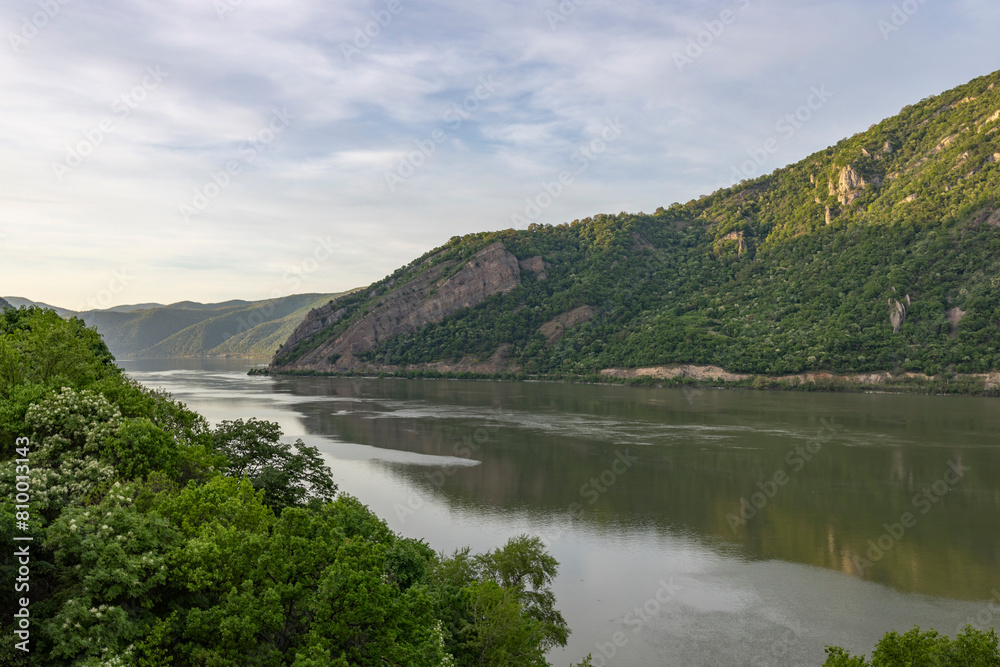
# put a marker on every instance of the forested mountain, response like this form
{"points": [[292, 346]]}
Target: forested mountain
{"points": [[881, 253], [190, 329], [18, 301]]}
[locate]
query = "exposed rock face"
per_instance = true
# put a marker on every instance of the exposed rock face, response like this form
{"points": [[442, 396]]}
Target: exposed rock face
{"points": [[536, 265], [849, 185], [829, 218], [955, 316], [427, 298], [741, 244], [316, 320], [554, 329], [897, 313]]}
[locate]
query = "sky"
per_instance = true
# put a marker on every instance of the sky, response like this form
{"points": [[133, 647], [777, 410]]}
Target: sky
{"points": [[206, 150]]}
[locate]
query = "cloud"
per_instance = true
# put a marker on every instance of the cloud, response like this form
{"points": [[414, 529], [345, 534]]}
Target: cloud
{"points": [[367, 85]]}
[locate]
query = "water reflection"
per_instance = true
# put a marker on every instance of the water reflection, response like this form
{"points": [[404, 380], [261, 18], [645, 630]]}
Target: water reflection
{"points": [[822, 559], [706, 466]]}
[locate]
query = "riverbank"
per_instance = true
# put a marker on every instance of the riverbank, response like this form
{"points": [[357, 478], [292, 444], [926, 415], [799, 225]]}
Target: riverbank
{"points": [[680, 375]]}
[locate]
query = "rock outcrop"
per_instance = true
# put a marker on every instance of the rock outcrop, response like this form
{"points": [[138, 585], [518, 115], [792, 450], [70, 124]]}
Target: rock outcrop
{"points": [[428, 297], [955, 316], [535, 265], [849, 185], [316, 320], [554, 329], [741, 244], [897, 313]]}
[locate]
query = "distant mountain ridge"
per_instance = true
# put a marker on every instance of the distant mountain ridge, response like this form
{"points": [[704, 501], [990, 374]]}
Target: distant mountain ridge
{"points": [[19, 301], [190, 329], [878, 254]]}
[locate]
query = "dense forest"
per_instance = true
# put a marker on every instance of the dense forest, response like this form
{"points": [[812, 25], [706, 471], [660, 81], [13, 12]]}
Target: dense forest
{"points": [[148, 538], [879, 253]]}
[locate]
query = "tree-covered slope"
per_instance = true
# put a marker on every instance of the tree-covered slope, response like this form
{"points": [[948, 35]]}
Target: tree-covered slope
{"points": [[189, 329], [879, 253], [254, 329]]}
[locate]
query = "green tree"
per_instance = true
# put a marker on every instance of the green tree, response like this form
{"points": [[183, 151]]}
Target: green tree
{"points": [[970, 648], [288, 474]]}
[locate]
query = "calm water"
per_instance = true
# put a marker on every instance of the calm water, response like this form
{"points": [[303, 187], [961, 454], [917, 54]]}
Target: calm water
{"points": [[695, 527]]}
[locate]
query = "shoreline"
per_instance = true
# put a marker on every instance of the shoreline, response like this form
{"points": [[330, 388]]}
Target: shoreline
{"points": [[977, 384]]}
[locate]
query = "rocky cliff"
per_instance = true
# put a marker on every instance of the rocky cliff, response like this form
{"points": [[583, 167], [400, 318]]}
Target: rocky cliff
{"points": [[421, 296], [879, 254]]}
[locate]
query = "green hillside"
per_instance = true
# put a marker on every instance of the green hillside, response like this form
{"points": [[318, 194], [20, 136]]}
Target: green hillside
{"points": [[879, 253], [18, 302], [190, 329], [251, 329]]}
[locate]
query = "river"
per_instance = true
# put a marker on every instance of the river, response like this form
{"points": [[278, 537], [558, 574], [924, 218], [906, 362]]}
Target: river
{"points": [[693, 526]]}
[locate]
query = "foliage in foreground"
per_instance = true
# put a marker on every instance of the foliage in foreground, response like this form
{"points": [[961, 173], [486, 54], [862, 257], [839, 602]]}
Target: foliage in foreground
{"points": [[158, 540], [970, 648]]}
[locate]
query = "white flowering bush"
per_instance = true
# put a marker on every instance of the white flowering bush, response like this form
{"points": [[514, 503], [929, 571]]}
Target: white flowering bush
{"points": [[68, 429], [113, 557], [71, 419], [83, 628]]}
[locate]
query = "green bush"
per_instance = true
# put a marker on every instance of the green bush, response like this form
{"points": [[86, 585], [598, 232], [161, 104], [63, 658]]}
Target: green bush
{"points": [[971, 648]]}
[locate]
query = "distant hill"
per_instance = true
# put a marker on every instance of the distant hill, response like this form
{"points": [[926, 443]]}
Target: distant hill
{"points": [[18, 301], [4, 304], [878, 254], [129, 308], [191, 329]]}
